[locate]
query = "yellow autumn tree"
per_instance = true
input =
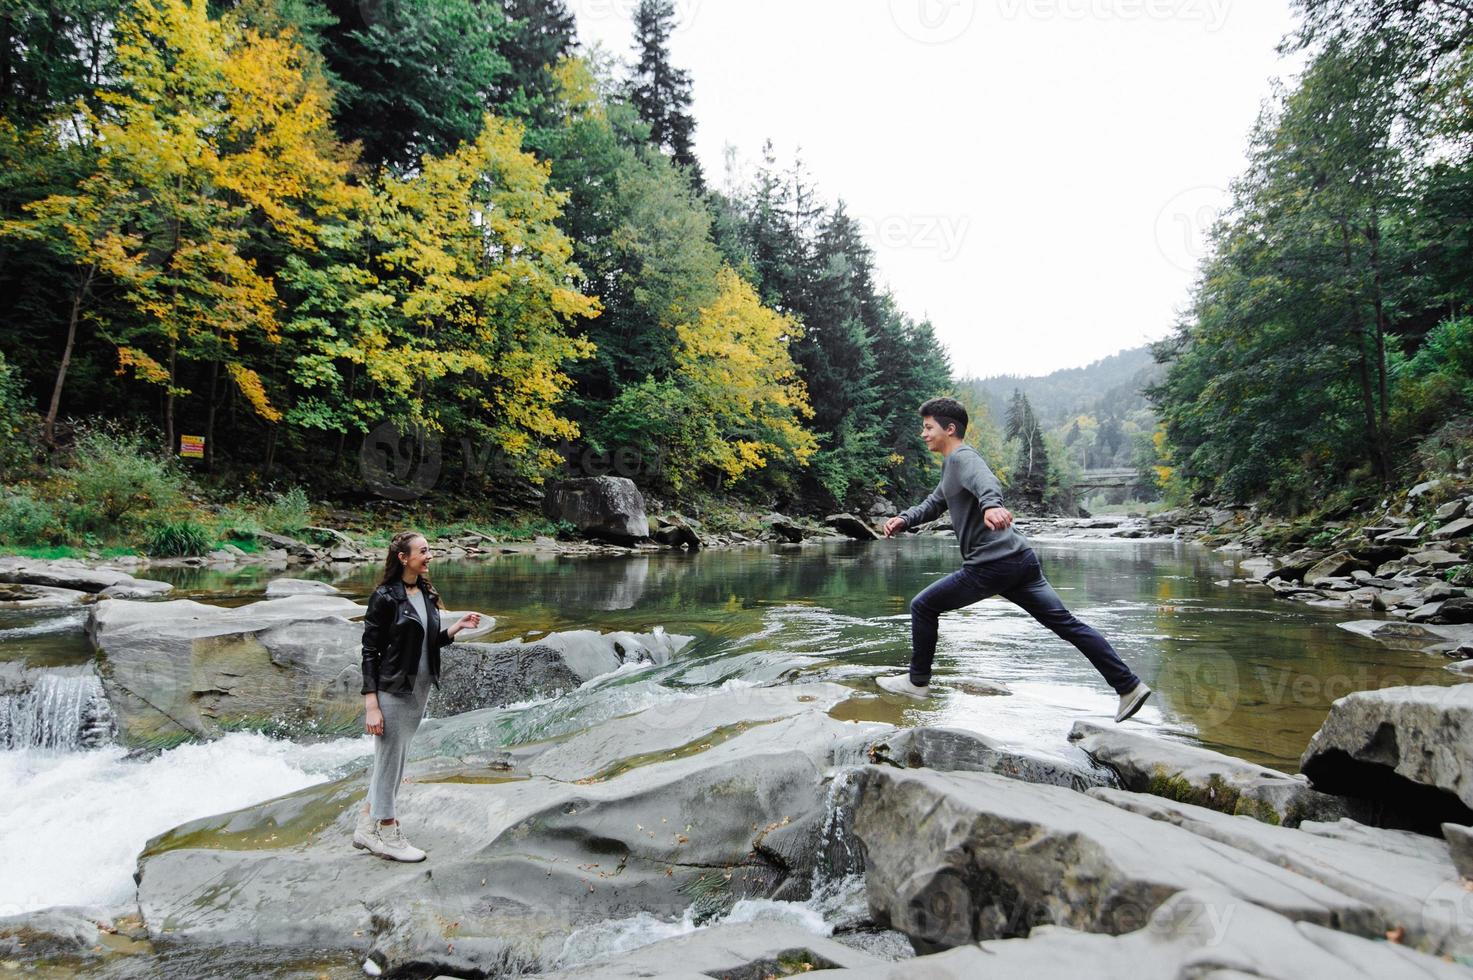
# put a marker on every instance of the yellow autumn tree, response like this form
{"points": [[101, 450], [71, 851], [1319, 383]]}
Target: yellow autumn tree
{"points": [[214, 151], [741, 387], [484, 290]]}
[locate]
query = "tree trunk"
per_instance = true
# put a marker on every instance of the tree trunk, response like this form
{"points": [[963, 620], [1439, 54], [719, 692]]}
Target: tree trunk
{"points": [[1374, 447], [210, 417], [1379, 299], [169, 442], [66, 356]]}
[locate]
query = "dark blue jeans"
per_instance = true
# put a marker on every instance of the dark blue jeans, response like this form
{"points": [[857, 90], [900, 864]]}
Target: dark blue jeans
{"points": [[1018, 579]]}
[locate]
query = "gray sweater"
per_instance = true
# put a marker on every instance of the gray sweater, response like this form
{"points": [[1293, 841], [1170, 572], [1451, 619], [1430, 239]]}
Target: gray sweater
{"points": [[968, 488]]}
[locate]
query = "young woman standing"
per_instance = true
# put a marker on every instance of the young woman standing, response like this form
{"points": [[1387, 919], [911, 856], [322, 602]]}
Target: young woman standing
{"points": [[402, 638]]}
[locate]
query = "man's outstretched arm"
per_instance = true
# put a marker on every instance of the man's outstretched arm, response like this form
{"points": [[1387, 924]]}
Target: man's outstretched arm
{"points": [[927, 510]]}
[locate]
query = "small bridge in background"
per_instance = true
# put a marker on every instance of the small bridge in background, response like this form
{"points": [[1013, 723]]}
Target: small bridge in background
{"points": [[1119, 479]]}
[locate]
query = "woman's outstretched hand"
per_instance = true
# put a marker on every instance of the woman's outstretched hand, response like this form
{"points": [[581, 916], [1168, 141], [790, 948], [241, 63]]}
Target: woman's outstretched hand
{"points": [[373, 721], [467, 622]]}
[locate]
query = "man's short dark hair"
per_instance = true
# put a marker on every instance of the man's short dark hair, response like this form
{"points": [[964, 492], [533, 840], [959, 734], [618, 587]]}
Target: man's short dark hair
{"points": [[946, 411]]}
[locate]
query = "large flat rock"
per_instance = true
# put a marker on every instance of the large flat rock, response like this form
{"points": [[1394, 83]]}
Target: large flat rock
{"points": [[1415, 890], [1192, 774], [64, 573], [292, 665], [518, 857], [957, 857], [1192, 935], [1408, 749]]}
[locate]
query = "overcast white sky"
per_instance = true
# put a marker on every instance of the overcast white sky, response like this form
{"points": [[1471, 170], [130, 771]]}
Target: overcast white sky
{"points": [[1036, 174]]}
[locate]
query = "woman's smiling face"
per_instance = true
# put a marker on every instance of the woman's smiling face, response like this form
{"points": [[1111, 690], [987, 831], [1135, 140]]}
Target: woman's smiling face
{"points": [[417, 558]]}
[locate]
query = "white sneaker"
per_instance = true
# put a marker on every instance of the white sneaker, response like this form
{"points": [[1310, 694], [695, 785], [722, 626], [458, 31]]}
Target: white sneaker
{"points": [[1131, 701], [363, 832], [900, 684], [388, 842]]}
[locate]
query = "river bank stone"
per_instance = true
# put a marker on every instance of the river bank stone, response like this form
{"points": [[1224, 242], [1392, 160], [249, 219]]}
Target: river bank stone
{"points": [[518, 858], [1409, 750], [607, 507], [952, 858], [1192, 774], [852, 526], [1418, 894], [67, 573]]}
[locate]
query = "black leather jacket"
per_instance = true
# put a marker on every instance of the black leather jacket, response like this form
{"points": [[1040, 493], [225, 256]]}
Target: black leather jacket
{"points": [[393, 638]]}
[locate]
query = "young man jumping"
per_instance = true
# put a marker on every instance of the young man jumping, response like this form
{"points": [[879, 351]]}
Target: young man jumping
{"points": [[996, 560]]}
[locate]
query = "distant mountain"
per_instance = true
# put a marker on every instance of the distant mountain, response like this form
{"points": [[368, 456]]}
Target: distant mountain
{"points": [[1108, 388]]}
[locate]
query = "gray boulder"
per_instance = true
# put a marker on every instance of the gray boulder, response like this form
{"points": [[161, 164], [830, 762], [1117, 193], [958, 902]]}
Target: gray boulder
{"points": [[1408, 749], [1192, 774], [1459, 528], [181, 669], [952, 858], [607, 507], [786, 529], [1437, 558], [956, 749], [675, 531], [1418, 894], [851, 526], [1460, 847], [39, 597], [279, 587], [488, 675], [1338, 564], [294, 549]]}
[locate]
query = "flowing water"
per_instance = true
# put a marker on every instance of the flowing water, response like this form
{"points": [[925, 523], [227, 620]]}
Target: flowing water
{"points": [[1235, 669]]}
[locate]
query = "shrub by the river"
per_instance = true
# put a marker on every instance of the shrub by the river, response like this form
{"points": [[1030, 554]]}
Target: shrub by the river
{"points": [[117, 477], [179, 539], [286, 513], [26, 521]]}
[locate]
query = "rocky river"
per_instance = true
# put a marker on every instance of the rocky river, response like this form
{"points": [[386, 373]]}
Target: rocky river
{"points": [[678, 764]]}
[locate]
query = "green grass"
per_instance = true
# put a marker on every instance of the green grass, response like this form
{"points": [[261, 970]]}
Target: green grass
{"points": [[66, 551]]}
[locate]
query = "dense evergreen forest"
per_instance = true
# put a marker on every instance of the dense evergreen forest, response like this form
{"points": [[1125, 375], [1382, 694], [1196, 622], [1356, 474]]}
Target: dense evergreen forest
{"points": [[1328, 348], [283, 224]]}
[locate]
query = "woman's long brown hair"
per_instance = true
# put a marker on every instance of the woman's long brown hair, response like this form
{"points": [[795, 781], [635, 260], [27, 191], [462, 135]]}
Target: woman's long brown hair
{"points": [[394, 566]]}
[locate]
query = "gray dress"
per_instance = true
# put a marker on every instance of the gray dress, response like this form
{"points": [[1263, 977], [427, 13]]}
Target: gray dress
{"points": [[402, 715]]}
